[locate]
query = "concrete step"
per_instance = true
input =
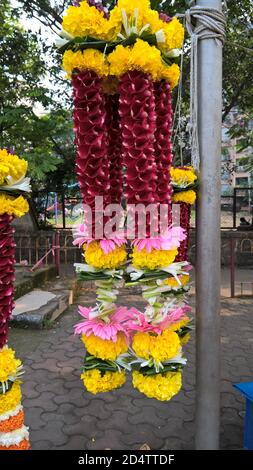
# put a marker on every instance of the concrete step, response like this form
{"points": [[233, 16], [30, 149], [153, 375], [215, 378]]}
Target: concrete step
{"points": [[27, 280], [39, 308]]}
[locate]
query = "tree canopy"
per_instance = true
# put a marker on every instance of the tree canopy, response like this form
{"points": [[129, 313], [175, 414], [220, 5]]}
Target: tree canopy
{"points": [[31, 78]]}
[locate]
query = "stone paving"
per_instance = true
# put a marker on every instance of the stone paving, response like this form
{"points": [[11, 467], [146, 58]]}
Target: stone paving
{"points": [[62, 415]]}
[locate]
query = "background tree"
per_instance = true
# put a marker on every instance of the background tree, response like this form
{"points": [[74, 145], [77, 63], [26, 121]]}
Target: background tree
{"points": [[52, 136], [45, 138]]}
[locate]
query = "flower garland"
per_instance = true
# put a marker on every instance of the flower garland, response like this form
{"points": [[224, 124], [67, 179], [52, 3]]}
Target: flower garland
{"points": [[115, 148], [13, 187], [123, 67], [163, 147], [13, 434], [184, 182]]}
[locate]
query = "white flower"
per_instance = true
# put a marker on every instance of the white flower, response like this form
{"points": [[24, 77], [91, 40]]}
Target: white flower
{"points": [[160, 36], [23, 184], [174, 53]]}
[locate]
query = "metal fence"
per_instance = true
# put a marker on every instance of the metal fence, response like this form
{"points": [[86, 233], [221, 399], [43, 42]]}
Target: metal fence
{"points": [[63, 210]]}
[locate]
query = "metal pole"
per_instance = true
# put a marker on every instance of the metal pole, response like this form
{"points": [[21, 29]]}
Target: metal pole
{"points": [[234, 208], [208, 243], [232, 267]]}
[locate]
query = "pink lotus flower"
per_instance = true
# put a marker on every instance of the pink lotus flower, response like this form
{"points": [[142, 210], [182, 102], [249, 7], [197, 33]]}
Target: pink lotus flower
{"points": [[82, 237], [105, 331], [168, 241]]}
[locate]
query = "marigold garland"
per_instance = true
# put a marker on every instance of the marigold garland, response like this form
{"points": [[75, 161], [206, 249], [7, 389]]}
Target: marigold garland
{"points": [[189, 197], [160, 386], [105, 349], [13, 434], [158, 347], [95, 256], [141, 56], [12, 168], [98, 382], [183, 176], [8, 364], [16, 206], [87, 20], [154, 260], [134, 48], [10, 399], [12, 423], [23, 445], [172, 282]]}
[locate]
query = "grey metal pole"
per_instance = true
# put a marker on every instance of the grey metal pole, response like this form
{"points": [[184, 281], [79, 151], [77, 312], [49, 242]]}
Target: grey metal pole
{"points": [[208, 243]]}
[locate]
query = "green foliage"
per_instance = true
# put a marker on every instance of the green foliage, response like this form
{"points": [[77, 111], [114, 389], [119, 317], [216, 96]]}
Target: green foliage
{"points": [[47, 140], [44, 138]]}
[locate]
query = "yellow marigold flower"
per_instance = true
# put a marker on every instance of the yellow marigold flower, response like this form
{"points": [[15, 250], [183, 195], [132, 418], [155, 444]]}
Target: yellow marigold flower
{"points": [[13, 206], [151, 17], [182, 176], [185, 339], [172, 282], [180, 324], [171, 73], [154, 260], [174, 34], [85, 20], [130, 6], [160, 347], [141, 57], [189, 197], [8, 363], [12, 168], [11, 399], [89, 59], [103, 348], [97, 382], [146, 58], [119, 60], [160, 386], [95, 256]]}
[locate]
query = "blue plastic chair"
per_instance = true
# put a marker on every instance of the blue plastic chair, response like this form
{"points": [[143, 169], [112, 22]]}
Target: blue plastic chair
{"points": [[246, 389]]}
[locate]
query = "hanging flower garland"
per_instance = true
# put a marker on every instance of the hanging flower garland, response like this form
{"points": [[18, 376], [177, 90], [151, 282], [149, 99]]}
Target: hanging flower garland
{"points": [[14, 185], [184, 183], [123, 67]]}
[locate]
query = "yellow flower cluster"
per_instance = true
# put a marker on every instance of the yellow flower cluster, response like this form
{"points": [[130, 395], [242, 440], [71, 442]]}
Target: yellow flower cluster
{"points": [[86, 20], [11, 399], [96, 381], [82, 60], [8, 363], [160, 386], [182, 177], [172, 282], [141, 57], [103, 348], [95, 256], [13, 206], [180, 324], [160, 347], [11, 166], [154, 260], [189, 197]]}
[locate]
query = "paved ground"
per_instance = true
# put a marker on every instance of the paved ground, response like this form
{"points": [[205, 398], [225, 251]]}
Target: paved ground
{"points": [[61, 415]]}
